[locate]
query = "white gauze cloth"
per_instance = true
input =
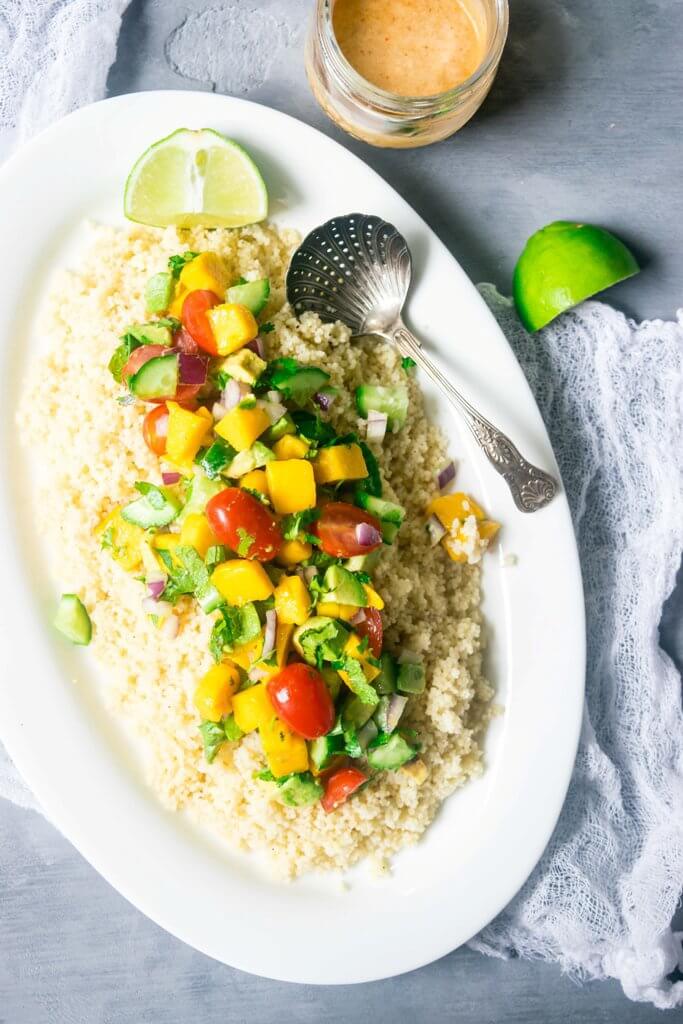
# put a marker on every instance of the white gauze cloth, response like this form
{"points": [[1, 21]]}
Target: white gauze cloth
{"points": [[601, 901]]}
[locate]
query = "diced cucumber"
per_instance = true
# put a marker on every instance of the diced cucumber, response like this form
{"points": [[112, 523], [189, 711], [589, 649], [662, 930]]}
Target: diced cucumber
{"points": [[363, 563], [355, 713], [159, 292], [157, 378], [388, 754], [393, 401], [285, 425], [157, 507], [300, 790], [367, 734], [343, 588], [411, 677], [298, 383], [372, 484], [351, 745], [252, 458], [254, 294], [216, 459], [389, 531], [386, 511], [322, 750], [154, 333], [210, 599], [201, 491], [386, 680], [72, 620]]}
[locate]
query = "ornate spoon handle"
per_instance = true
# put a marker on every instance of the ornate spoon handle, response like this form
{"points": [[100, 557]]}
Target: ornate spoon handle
{"points": [[531, 488]]}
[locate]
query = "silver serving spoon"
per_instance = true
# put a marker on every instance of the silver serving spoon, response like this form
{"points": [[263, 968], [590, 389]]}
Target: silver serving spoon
{"points": [[357, 269]]}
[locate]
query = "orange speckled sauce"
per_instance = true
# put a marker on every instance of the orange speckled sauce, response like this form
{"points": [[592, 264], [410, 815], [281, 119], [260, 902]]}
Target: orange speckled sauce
{"points": [[411, 47]]}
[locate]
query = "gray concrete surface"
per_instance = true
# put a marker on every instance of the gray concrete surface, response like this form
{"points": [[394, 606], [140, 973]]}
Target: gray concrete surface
{"points": [[584, 121]]}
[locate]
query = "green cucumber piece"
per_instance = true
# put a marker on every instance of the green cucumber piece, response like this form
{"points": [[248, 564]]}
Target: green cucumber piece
{"points": [[159, 292], [355, 713], [157, 507], [322, 750], [72, 620], [385, 682], [216, 459], [363, 563], [386, 754], [393, 401], [298, 384], [386, 511], [285, 425], [254, 294], [210, 600], [252, 458], [411, 677], [157, 378], [200, 493], [389, 531]]}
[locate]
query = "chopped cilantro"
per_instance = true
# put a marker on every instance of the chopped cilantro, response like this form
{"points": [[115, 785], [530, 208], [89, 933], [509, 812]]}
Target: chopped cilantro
{"points": [[235, 626], [245, 542], [176, 263], [121, 355], [356, 681], [362, 577], [266, 328], [407, 363], [295, 524], [213, 735]]}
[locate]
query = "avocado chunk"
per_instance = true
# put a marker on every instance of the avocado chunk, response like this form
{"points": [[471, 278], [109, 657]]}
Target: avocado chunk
{"points": [[154, 333], [355, 713], [386, 754], [252, 458], [159, 292], [244, 365], [411, 677], [386, 680], [343, 588], [202, 489], [72, 620], [300, 790], [363, 563]]}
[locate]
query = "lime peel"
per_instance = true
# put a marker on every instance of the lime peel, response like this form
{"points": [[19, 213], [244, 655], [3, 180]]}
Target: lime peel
{"points": [[562, 265], [195, 179]]}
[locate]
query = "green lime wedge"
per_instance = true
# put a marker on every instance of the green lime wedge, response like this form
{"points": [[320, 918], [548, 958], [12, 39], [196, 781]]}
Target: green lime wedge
{"points": [[563, 264], [195, 179]]}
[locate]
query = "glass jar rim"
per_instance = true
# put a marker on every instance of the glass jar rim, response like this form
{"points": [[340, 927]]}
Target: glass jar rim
{"points": [[394, 102]]}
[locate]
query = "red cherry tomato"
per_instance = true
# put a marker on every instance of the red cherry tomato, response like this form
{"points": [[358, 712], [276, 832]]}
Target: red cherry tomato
{"points": [[244, 524], [336, 529], [372, 628], [184, 342], [340, 786], [302, 700], [195, 320], [139, 357], [155, 429]]}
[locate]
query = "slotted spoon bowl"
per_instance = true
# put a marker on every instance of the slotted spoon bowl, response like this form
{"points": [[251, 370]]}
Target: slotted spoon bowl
{"points": [[357, 269]]}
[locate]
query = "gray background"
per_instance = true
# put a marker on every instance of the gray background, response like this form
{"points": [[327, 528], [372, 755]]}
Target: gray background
{"points": [[584, 121]]}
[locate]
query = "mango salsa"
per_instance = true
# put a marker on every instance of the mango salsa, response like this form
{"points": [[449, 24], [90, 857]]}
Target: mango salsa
{"points": [[340, 462], [197, 533], [294, 551], [213, 696], [291, 447], [292, 601], [241, 580], [241, 426], [206, 272], [291, 485], [233, 325], [186, 433], [123, 540]]}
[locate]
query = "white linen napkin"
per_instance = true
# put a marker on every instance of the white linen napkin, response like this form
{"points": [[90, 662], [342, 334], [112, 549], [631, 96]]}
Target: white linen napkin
{"points": [[601, 901]]}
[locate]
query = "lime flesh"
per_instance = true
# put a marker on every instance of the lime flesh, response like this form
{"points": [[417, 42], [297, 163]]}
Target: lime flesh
{"points": [[563, 264], [195, 179]]}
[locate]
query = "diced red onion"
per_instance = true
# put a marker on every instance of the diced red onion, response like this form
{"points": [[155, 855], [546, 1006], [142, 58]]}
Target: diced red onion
{"points": [[435, 529], [218, 411], [270, 633], [323, 399], [367, 536], [367, 734], [156, 585], [310, 573], [257, 346], [192, 369], [446, 475], [170, 478], [169, 628], [376, 425], [395, 708], [358, 617], [232, 394], [407, 657]]}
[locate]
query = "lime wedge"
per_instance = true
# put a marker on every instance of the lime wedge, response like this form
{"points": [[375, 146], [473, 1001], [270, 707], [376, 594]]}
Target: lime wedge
{"points": [[195, 179], [563, 264]]}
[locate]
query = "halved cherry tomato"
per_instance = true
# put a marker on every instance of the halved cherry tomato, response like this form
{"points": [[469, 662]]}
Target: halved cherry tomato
{"points": [[336, 530], [184, 342], [244, 524], [372, 628], [340, 786], [155, 429], [302, 700], [195, 320]]}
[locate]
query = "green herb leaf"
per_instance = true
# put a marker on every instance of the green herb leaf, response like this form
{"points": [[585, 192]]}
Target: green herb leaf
{"points": [[121, 356], [294, 524], [407, 363], [356, 681], [246, 540], [267, 328], [176, 263], [213, 735]]}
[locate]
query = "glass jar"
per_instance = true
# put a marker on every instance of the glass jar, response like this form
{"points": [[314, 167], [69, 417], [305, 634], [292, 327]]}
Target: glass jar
{"points": [[384, 118]]}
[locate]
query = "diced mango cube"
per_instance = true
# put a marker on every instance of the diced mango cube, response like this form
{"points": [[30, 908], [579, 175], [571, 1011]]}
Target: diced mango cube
{"points": [[123, 540], [292, 601], [176, 307], [252, 707], [285, 751], [291, 447], [488, 529], [233, 326], [374, 600], [340, 462], [449, 507], [213, 696], [283, 640], [248, 654], [241, 580], [197, 533], [208, 272], [167, 542], [186, 432], [291, 485], [334, 610], [351, 647], [294, 551], [255, 481], [242, 425]]}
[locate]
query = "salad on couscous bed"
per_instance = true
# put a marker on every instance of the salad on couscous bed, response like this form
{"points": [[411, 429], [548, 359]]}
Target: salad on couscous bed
{"points": [[273, 524]]}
